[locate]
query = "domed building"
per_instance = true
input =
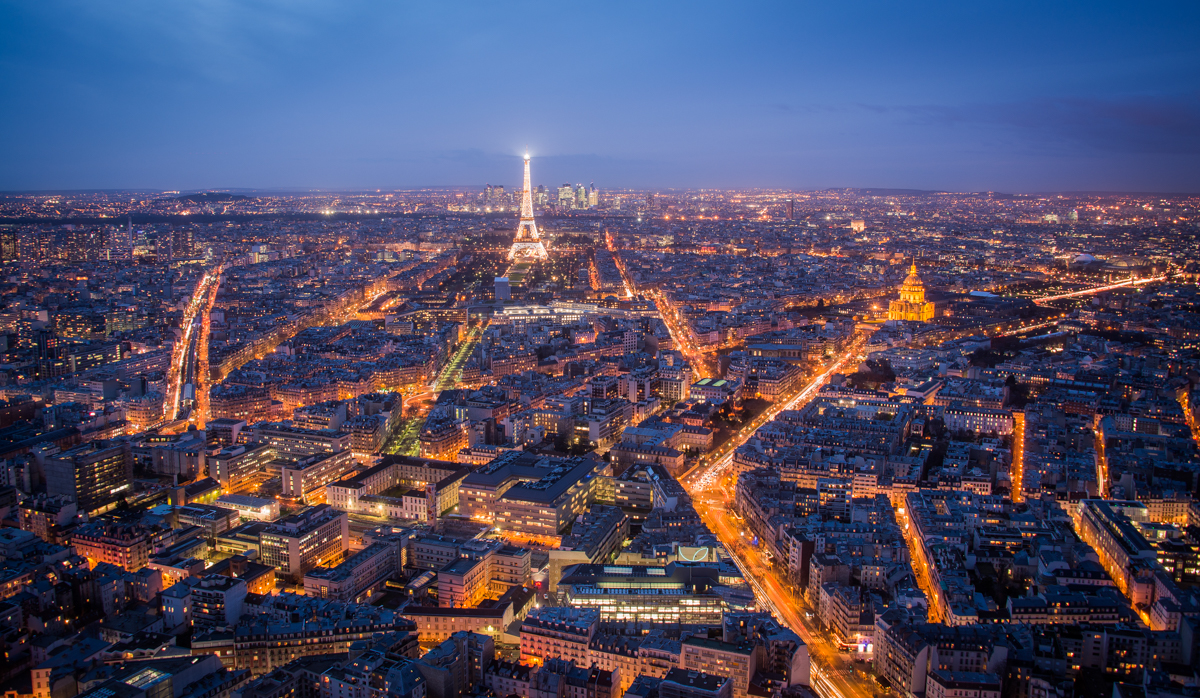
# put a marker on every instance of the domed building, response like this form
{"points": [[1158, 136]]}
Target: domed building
{"points": [[1128, 266], [912, 305]]}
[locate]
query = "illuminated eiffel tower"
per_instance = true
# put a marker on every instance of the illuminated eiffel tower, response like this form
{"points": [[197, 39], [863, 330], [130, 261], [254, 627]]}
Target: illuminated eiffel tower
{"points": [[527, 244]]}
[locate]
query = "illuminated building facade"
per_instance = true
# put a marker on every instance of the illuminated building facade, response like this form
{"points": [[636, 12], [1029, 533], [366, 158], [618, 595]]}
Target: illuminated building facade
{"points": [[912, 305], [235, 465], [358, 575], [96, 475], [305, 479], [254, 508], [662, 595], [48, 517], [735, 661], [558, 632], [442, 436], [124, 545], [297, 544]]}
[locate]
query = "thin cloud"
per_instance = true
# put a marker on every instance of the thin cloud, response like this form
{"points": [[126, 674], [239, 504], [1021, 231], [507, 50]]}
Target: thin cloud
{"points": [[1135, 124]]}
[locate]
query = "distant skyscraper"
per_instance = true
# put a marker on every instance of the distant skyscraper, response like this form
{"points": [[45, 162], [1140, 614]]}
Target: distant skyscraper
{"points": [[119, 243], [593, 196], [142, 242], [791, 209], [162, 245], [541, 197], [566, 196], [581, 197], [8, 245], [32, 245], [182, 243], [528, 243]]}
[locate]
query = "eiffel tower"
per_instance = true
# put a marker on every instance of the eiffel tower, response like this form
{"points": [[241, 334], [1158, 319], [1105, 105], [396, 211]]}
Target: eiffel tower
{"points": [[527, 244]]}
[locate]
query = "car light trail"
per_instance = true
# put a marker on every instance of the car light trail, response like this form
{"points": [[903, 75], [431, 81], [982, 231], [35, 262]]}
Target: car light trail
{"points": [[202, 379], [179, 352], [1101, 289]]}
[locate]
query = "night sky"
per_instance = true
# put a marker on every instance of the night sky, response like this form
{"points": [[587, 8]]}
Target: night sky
{"points": [[964, 96]]}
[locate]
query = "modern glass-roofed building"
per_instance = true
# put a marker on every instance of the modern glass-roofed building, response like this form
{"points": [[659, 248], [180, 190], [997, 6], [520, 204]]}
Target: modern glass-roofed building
{"points": [[671, 594], [717, 390]]}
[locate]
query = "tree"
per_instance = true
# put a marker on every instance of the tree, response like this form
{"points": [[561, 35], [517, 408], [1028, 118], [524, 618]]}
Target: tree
{"points": [[1019, 395], [986, 358]]}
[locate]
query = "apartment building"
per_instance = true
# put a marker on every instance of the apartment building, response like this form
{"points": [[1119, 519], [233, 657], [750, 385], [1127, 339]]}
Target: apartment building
{"points": [[298, 543], [547, 506], [736, 661], [298, 441], [305, 480], [234, 465], [358, 576], [400, 487], [563, 632], [95, 475], [127, 545]]}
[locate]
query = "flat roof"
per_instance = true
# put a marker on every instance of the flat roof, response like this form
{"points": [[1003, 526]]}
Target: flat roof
{"points": [[245, 500]]}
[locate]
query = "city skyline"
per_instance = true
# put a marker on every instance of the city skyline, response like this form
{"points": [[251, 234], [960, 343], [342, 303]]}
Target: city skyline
{"points": [[362, 349]]}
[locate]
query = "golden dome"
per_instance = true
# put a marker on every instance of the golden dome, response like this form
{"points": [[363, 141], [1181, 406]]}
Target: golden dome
{"points": [[914, 279], [911, 305], [913, 289]]}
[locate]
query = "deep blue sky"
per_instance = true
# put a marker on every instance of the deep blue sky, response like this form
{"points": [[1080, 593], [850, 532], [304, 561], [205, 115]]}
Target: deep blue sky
{"points": [[1010, 96]]}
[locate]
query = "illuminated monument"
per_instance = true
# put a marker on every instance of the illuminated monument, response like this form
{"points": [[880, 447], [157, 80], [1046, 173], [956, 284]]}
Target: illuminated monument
{"points": [[527, 244], [912, 305]]}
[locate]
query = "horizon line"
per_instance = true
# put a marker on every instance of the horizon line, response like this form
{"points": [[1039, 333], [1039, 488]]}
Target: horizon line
{"points": [[896, 191]]}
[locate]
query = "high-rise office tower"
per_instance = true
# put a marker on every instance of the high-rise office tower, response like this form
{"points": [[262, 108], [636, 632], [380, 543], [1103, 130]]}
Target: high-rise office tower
{"points": [[182, 242], [593, 196], [163, 246], [142, 242], [122, 318], [566, 196], [82, 245], [581, 198], [8, 245], [119, 243], [32, 245]]}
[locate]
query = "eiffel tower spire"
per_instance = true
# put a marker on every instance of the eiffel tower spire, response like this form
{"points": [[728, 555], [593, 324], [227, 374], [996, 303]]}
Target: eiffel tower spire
{"points": [[528, 243]]}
